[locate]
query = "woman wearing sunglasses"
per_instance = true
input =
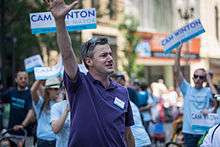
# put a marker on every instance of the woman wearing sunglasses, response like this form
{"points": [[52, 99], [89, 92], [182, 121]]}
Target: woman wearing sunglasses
{"points": [[43, 99]]}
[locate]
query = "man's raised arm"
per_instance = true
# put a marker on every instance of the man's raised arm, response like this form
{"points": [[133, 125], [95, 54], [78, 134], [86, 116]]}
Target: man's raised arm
{"points": [[178, 74], [59, 10]]}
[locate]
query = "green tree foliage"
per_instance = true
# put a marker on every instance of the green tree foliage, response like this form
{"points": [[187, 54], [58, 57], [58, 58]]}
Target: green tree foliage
{"points": [[19, 43], [129, 28]]}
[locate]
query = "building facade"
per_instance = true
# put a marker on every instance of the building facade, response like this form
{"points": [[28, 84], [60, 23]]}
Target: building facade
{"points": [[158, 18]]}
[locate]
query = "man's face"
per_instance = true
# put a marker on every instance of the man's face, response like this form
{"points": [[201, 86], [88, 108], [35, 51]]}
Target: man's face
{"points": [[102, 60], [22, 80], [199, 77]]}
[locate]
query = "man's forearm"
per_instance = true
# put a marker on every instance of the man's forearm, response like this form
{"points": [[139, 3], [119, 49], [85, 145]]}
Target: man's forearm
{"points": [[213, 89], [57, 125], [65, 46], [177, 71], [129, 137], [29, 118]]}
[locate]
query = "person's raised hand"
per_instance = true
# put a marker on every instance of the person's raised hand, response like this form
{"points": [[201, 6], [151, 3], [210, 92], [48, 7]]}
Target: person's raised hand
{"points": [[59, 8], [179, 48], [18, 127]]}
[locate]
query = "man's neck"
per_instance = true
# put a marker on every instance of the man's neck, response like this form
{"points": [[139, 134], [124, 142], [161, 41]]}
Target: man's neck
{"points": [[104, 79], [198, 87], [21, 88]]}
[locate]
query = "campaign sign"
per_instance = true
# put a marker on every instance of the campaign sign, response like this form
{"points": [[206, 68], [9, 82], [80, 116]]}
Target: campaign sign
{"points": [[31, 62], [201, 122], [75, 20], [44, 73], [183, 34]]}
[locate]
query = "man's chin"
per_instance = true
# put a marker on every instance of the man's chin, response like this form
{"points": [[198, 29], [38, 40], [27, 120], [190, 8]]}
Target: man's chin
{"points": [[110, 71], [22, 86], [198, 86]]}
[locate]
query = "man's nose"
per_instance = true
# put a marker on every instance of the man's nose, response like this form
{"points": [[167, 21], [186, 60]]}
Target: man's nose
{"points": [[109, 57], [23, 80]]}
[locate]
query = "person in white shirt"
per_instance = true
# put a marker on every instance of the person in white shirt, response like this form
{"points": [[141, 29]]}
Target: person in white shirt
{"points": [[60, 121], [212, 139]]}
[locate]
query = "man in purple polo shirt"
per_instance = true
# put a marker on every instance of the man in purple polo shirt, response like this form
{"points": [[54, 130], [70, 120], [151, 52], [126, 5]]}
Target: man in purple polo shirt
{"points": [[101, 114]]}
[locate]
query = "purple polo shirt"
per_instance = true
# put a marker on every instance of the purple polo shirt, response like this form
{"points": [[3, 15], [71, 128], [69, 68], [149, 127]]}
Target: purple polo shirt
{"points": [[95, 120]]}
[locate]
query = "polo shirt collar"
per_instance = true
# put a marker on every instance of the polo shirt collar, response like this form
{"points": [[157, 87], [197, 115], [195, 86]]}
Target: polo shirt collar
{"points": [[112, 85]]}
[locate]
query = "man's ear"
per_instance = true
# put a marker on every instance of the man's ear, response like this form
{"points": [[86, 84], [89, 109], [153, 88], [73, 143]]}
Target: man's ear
{"points": [[16, 81], [88, 61]]}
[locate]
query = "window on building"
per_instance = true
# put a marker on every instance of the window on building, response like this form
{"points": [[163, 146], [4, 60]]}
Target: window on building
{"points": [[216, 22], [95, 4], [112, 6], [155, 15]]}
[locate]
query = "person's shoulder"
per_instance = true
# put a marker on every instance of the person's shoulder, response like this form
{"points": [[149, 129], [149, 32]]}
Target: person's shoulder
{"points": [[60, 104], [12, 89], [207, 89], [119, 86]]}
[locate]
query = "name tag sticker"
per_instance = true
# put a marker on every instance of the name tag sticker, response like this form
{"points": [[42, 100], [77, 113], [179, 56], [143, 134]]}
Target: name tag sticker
{"points": [[119, 103]]}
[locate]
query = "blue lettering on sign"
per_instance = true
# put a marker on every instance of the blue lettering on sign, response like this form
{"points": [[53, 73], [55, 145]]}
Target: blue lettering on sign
{"points": [[76, 12], [91, 13], [196, 116], [28, 61], [36, 18], [198, 22], [187, 27], [70, 15], [168, 39], [81, 14]]}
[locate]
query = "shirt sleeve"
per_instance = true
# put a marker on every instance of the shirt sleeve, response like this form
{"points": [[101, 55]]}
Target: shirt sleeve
{"points": [[72, 86], [150, 100], [55, 112], [184, 85], [37, 106], [207, 140], [129, 121], [29, 101]]}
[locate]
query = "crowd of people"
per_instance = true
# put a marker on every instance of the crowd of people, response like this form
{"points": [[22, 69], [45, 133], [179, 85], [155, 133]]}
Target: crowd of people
{"points": [[98, 108]]}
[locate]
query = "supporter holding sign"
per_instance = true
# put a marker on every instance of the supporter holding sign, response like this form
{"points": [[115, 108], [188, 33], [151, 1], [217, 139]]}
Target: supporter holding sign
{"points": [[196, 102]]}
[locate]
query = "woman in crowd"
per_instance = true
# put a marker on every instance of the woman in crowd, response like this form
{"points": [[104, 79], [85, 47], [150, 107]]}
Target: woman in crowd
{"points": [[60, 120], [42, 103]]}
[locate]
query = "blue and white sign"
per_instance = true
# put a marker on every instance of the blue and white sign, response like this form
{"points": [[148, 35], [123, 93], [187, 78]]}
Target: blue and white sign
{"points": [[183, 34], [75, 20], [143, 49], [31, 62], [44, 73], [202, 122]]}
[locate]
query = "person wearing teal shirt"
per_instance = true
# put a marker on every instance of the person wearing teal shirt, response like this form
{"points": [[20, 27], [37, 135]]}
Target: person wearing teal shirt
{"points": [[196, 100]]}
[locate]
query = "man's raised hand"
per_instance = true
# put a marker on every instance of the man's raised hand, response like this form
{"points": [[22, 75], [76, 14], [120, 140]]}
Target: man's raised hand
{"points": [[59, 8]]}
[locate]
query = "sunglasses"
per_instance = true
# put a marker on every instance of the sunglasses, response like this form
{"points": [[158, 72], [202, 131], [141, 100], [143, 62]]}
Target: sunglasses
{"points": [[200, 77], [95, 41], [53, 89]]}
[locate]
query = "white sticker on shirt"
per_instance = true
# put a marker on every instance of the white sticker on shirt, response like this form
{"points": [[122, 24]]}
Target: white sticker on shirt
{"points": [[119, 103]]}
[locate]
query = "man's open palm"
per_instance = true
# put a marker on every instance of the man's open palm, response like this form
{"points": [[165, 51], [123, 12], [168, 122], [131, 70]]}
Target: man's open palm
{"points": [[58, 7]]}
